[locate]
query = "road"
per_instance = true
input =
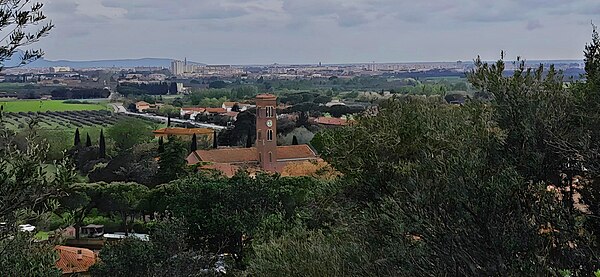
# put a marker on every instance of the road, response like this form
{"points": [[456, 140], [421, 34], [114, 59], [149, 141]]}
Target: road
{"points": [[118, 108]]}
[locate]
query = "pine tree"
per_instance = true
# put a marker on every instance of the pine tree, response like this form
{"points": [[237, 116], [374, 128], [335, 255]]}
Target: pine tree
{"points": [[102, 146], [77, 140], [194, 145], [295, 141], [88, 141], [161, 145], [215, 140]]}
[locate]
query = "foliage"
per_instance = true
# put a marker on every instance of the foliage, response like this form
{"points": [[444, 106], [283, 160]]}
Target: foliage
{"points": [[16, 21], [21, 256], [128, 133], [165, 255], [172, 161]]}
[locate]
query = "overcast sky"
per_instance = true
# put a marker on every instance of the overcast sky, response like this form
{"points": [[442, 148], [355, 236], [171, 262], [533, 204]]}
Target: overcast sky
{"points": [[312, 31]]}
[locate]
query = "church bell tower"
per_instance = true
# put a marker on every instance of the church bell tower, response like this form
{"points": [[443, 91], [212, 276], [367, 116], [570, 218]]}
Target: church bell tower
{"points": [[266, 131]]}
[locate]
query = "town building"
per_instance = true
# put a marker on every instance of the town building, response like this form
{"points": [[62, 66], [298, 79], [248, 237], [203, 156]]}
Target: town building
{"points": [[264, 156]]}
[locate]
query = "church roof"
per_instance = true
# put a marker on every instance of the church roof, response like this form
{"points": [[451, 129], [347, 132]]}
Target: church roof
{"points": [[250, 155]]}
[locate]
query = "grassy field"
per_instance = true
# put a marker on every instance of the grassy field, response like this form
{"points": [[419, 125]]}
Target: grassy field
{"points": [[48, 105]]}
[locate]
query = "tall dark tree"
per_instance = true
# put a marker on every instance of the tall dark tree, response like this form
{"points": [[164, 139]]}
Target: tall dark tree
{"points": [[194, 144], [161, 145], [88, 140], [249, 139], [102, 146], [77, 140], [215, 140], [1, 112], [168, 120], [295, 141], [235, 108]]}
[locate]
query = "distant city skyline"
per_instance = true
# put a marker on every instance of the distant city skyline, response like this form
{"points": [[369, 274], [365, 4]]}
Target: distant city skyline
{"points": [[313, 31]]}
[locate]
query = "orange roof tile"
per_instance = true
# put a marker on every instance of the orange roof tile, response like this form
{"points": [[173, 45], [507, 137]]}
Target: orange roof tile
{"points": [[265, 96], [249, 155], [194, 109], [232, 114], [331, 121], [183, 131], [229, 104], [74, 260], [216, 110]]}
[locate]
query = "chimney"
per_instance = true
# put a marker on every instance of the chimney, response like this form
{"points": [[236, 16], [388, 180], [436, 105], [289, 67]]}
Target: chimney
{"points": [[79, 255]]}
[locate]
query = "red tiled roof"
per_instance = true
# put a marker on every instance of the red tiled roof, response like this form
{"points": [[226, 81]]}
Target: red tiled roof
{"points": [[331, 121], [216, 110], [232, 114], [199, 110], [248, 155], [265, 96], [292, 152], [229, 104], [74, 260]]}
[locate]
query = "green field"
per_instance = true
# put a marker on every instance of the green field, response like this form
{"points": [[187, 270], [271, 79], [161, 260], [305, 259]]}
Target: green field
{"points": [[48, 105]]}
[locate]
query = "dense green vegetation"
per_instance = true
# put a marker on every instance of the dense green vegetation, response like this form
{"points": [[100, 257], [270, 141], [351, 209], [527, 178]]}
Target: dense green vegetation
{"points": [[48, 105]]}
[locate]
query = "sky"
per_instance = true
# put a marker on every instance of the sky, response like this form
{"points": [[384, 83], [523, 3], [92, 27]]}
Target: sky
{"points": [[312, 31]]}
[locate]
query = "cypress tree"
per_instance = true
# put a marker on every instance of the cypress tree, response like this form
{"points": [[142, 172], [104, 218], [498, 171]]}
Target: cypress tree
{"points": [[77, 140], [194, 145], [102, 146], [215, 140], [88, 140], [168, 120], [295, 141], [249, 139], [161, 145], [1, 111]]}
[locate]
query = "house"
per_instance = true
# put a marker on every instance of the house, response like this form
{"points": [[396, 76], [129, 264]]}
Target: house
{"points": [[73, 260], [265, 156], [141, 106], [185, 133], [214, 111], [242, 107], [92, 231], [192, 112]]}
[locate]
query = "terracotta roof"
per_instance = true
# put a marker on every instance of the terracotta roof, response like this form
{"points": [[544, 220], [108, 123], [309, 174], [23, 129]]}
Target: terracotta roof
{"points": [[74, 260], [248, 155], [292, 152], [142, 103], [183, 131], [193, 109], [229, 104], [265, 96], [227, 155], [216, 110], [331, 121], [232, 114]]}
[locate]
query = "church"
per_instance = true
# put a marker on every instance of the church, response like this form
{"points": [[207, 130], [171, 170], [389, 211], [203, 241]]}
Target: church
{"points": [[264, 156]]}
